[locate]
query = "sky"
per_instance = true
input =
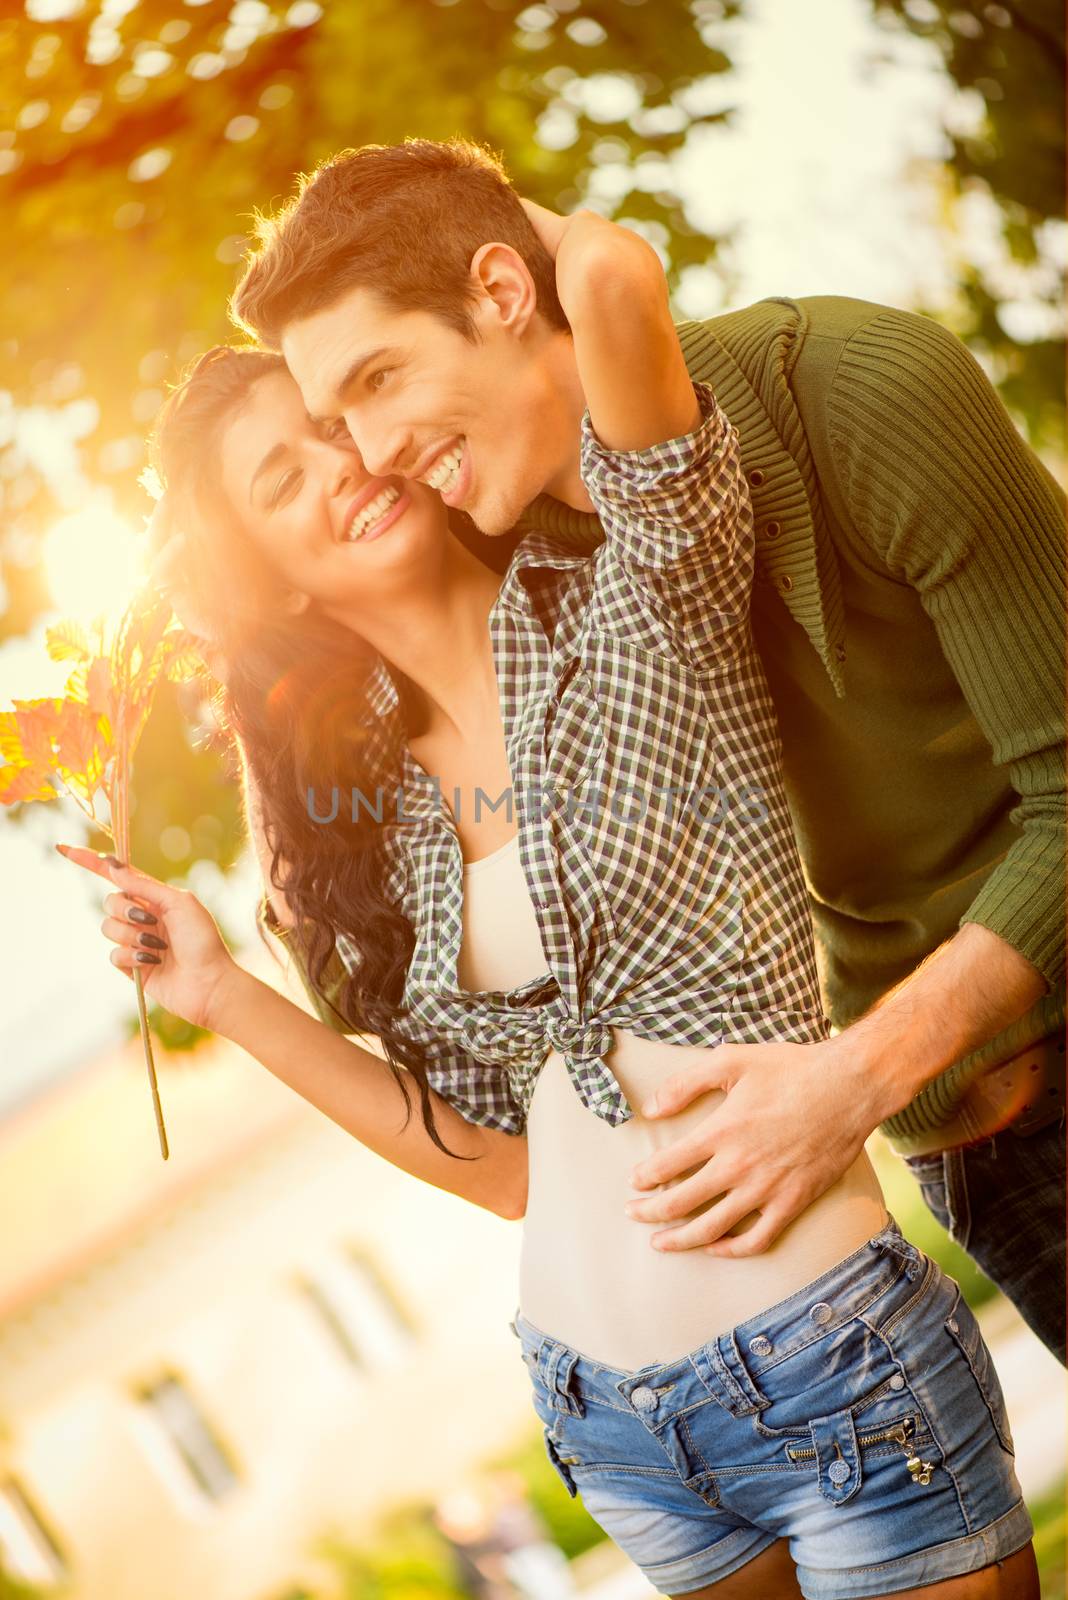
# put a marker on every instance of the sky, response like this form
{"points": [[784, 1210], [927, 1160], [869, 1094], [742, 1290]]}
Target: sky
{"points": [[827, 173]]}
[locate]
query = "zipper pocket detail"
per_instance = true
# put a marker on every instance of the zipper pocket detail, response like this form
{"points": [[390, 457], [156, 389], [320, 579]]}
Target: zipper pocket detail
{"points": [[920, 1471], [899, 1433]]}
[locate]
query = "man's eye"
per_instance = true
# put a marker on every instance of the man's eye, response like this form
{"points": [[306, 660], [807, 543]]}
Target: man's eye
{"points": [[338, 429]]}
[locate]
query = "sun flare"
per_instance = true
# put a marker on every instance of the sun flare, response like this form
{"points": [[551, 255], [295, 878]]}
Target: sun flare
{"points": [[93, 563]]}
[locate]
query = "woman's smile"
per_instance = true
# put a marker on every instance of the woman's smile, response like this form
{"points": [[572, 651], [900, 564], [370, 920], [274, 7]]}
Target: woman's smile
{"points": [[378, 514]]}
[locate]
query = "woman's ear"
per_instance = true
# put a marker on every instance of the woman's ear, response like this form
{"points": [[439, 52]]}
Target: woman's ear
{"points": [[296, 603]]}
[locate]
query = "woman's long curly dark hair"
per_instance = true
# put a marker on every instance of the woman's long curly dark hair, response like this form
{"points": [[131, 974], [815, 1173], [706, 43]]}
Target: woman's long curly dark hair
{"points": [[293, 708]]}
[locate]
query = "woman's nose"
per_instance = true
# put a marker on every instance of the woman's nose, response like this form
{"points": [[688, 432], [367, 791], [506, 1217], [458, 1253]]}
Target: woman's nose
{"points": [[342, 465]]}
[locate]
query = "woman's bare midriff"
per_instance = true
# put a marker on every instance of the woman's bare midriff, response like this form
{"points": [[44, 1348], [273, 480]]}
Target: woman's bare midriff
{"points": [[588, 1273]]}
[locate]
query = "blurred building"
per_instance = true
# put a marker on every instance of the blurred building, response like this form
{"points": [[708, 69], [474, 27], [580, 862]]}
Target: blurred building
{"points": [[208, 1363]]}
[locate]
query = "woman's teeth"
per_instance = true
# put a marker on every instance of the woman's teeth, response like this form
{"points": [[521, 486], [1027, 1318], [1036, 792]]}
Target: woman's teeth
{"points": [[445, 474], [372, 513]]}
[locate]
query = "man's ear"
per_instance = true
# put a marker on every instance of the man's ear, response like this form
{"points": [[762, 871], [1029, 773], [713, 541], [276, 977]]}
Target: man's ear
{"points": [[295, 603], [501, 274]]}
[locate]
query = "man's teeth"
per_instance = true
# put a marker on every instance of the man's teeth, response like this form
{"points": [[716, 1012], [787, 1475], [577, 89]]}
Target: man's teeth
{"points": [[371, 512], [446, 471]]}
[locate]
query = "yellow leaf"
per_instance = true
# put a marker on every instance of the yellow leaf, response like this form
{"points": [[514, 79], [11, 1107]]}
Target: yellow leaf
{"points": [[66, 641]]}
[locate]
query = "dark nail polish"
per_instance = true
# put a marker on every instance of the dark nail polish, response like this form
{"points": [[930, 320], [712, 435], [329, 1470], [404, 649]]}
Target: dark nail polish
{"points": [[139, 914], [152, 941], [143, 955]]}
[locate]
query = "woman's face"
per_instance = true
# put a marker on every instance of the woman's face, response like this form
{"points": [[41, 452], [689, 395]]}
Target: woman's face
{"points": [[327, 527]]}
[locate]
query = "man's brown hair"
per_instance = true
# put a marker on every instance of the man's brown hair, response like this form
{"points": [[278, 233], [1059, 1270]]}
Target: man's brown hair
{"points": [[404, 220]]}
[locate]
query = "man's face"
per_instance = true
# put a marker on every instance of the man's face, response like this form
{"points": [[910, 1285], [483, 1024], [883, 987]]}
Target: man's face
{"points": [[476, 421]]}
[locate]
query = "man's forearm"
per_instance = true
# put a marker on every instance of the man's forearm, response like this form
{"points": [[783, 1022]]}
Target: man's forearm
{"points": [[356, 1089], [964, 994]]}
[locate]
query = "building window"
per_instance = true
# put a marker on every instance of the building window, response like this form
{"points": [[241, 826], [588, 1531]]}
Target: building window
{"points": [[28, 1551], [358, 1307], [178, 1417]]}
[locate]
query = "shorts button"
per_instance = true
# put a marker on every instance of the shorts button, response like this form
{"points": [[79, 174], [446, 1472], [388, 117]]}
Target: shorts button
{"points": [[952, 1325], [820, 1313], [645, 1399], [838, 1472], [897, 1381], [761, 1345]]}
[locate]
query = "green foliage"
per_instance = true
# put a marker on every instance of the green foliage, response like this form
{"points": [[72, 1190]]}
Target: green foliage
{"points": [[1008, 59], [569, 1523], [14, 1589], [407, 1561], [1050, 1516]]}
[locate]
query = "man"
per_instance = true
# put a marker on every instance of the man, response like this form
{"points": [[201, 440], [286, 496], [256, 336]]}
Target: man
{"points": [[909, 613]]}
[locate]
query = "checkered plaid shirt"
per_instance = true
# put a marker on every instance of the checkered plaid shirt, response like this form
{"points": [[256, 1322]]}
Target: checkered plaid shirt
{"points": [[653, 829]]}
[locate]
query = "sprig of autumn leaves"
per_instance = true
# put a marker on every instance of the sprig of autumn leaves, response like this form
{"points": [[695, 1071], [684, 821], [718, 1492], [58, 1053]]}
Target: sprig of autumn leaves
{"points": [[83, 741]]}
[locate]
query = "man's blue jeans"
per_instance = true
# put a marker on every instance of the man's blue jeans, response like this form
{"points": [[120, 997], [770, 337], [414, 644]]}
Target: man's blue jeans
{"points": [[1004, 1202]]}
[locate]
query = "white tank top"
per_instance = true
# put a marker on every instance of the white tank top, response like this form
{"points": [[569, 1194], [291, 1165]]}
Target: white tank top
{"points": [[588, 1274]]}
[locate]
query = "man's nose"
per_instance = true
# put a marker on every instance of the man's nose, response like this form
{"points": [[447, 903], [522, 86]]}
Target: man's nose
{"points": [[380, 448]]}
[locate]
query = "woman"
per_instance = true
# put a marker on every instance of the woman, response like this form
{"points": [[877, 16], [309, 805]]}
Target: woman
{"points": [[819, 1418]]}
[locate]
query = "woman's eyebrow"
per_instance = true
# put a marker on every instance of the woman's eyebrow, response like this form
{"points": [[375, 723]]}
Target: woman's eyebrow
{"points": [[265, 465]]}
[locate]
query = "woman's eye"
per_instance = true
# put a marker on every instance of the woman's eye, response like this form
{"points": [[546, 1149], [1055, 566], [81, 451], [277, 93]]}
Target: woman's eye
{"points": [[284, 487], [381, 372], [338, 429]]}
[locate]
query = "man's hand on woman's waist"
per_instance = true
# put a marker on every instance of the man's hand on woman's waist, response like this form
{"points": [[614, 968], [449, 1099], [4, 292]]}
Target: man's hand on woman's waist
{"points": [[796, 1116]]}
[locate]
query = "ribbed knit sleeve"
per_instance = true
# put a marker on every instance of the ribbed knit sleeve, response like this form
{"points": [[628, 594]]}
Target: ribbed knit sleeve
{"points": [[950, 497]]}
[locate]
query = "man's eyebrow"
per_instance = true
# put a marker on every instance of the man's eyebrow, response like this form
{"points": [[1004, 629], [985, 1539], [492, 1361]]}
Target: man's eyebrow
{"points": [[275, 452], [352, 372]]}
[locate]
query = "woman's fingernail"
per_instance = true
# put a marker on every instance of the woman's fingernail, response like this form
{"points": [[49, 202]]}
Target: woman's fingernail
{"points": [[62, 848], [153, 942], [114, 861], [139, 914], [143, 955]]}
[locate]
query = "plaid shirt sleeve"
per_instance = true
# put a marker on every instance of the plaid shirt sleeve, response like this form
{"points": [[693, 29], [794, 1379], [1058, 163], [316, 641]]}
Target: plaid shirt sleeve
{"points": [[679, 539]]}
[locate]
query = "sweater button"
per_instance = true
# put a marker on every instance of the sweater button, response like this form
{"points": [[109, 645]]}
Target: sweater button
{"points": [[772, 530], [786, 583], [839, 652], [757, 476]]}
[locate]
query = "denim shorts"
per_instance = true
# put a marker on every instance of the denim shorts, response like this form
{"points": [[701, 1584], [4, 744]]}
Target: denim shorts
{"points": [[861, 1419]]}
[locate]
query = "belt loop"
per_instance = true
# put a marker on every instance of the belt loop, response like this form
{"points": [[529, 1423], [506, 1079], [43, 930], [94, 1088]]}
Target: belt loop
{"points": [[735, 1362], [557, 1365], [720, 1367], [891, 1241]]}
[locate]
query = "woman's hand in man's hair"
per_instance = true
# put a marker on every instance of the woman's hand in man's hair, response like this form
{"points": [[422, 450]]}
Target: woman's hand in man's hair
{"points": [[592, 254]]}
